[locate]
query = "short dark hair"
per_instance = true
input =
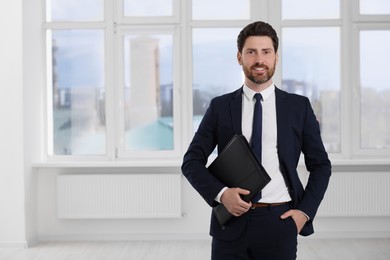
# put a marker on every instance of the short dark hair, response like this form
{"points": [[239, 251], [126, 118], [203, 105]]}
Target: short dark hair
{"points": [[257, 29]]}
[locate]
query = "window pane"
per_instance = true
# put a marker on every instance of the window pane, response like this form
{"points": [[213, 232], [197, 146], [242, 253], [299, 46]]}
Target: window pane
{"points": [[309, 9], [215, 67], [375, 89], [79, 120], [374, 7], [220, 9], [311, 67], [148, 8], [148, 92], [75, 10]]}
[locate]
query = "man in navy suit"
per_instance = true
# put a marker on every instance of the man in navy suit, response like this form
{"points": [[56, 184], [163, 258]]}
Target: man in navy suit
{"points": [[266, 228]]}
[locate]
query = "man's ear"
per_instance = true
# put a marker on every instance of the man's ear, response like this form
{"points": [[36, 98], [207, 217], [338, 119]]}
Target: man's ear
{"points": [[239, 58]]}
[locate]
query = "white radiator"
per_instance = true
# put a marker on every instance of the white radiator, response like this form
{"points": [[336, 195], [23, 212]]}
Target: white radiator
{"points": [[110, 196], [357, 194]]}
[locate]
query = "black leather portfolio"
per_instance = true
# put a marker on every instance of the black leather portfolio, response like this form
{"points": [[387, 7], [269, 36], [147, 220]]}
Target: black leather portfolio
{"points": [[237, 166]]}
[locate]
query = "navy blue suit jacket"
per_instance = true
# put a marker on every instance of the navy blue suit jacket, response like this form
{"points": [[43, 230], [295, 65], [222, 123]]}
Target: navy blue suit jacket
{"points": [[297, 132]]}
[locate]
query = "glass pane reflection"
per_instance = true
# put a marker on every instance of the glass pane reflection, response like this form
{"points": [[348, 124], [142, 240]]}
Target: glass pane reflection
{"points": [[148, 8], [148, 61], [79, 118], [220, 9], [311, 67], [75, 10], [309, 9], [374, 7], [374, 89], [215, 67]]}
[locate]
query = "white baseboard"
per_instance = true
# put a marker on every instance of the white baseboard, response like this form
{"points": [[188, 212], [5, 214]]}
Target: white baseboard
{"points": [[122, 237], [32, 242], [149, 237], [348, 235], [13, 244]]}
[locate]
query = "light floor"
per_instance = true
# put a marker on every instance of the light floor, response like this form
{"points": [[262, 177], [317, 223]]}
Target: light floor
{"points": [[308, 249]]}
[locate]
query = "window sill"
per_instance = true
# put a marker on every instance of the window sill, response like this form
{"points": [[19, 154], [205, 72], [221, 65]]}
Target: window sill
{"points": [[361, 164], [109, 164]]}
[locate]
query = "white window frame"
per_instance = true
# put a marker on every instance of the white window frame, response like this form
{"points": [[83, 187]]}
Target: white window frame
{"points": [[358, 151], [132, 20], [361, 22], [105, 27], [180, 24]]}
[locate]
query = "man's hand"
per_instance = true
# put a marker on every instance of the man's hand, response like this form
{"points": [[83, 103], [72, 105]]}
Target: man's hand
{"points": [[232, 201], [299, 218]]}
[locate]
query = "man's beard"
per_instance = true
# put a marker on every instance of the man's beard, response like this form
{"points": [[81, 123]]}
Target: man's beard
{"points": [[260, 79]]}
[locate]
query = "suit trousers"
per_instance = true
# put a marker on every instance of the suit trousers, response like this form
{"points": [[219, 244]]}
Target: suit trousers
{"points": [[266, 237]]}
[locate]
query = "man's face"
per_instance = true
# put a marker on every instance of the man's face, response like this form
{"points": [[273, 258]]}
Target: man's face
{"points": [[258, 60]]}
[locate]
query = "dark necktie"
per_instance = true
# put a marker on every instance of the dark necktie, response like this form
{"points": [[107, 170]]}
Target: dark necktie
{"points": [[257, 126], [256, 134]]}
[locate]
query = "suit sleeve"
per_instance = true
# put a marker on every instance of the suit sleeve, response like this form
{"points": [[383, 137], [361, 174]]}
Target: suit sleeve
{"points": [[317, 164], [195, 159]]}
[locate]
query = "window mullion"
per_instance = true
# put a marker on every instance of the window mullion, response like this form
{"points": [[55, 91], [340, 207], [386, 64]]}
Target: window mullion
{"points": [[348, 87], [275, 18], [110, 80], [185, 88]]}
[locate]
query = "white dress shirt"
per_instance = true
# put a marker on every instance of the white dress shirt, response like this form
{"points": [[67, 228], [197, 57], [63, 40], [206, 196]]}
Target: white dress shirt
{"points": [[276, 190]]}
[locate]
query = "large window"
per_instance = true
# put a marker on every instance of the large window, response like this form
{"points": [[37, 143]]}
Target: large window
{"points": [[131, 79], [373, 83]]}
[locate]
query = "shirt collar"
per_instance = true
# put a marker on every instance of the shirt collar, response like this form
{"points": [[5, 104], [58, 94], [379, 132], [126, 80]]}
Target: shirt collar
{"points": [[266, 93]]}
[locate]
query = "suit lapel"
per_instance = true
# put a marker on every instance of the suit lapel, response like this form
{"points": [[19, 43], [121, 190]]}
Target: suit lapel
{"points": [[281, 119], [281, 115], [236, 111]]}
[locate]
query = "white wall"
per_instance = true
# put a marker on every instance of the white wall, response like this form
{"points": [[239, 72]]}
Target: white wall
{"points": [[375, 222], [193, 225], [33, 105], [28, 195], [12, 226]]}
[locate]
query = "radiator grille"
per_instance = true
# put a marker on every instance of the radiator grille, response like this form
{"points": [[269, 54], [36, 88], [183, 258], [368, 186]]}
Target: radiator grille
{"points": [[107, 196], [357, 194]]}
